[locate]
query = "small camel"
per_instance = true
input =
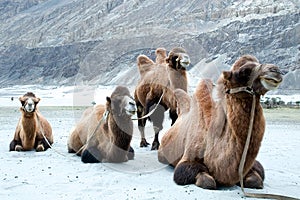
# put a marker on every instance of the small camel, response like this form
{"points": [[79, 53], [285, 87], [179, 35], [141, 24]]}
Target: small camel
{"points": [[104, 133], [158, 80], [206, 142], [32, 128]]}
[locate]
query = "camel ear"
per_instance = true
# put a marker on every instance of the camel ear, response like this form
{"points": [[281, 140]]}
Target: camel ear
{"points": [[108, 99], [36, 100], [22, 100], [183, 101], [227, 75]]}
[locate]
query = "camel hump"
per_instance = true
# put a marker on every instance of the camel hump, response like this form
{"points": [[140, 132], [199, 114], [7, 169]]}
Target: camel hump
{"points": [[161, 55], [205, 86], [183, 101], [243, 60], [144, 63]]}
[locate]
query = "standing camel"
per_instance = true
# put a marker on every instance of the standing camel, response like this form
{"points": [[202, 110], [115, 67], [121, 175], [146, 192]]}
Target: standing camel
{"points": [[157, 81]]}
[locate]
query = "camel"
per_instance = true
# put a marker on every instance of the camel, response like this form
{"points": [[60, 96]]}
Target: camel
{"points": [[157, 81], [33, 131], [104, 132], [206, 142]]}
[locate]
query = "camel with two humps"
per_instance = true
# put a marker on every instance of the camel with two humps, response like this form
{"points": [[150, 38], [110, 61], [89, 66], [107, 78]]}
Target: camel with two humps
{"points": [[206, 143], [33, 131], [104, 132], [157, 82]]}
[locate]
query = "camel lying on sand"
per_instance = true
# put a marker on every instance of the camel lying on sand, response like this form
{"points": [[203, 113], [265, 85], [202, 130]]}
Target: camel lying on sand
{"points": [[104, 133], [156, 79], [206, 142], [32, 128]]}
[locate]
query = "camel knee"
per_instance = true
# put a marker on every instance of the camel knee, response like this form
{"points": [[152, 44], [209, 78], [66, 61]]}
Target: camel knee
{"points": [[130, 154], [13, 144], [42, 145], [205, 181], [253, 180], [257, 166], [90, 156], [186, 172], [19, 148], [40, 148], [255, 177], [162, 158]]}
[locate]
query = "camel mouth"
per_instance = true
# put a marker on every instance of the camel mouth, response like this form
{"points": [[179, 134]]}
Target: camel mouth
{"points": [[184, 61], [184, 64], [29, 110], [270, 82]]}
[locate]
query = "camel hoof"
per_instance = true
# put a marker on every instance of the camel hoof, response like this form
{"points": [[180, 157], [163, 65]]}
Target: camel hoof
{"points": [[40, 148], [254, 181], [130, 153], [19, 148], [155, 145], [205, 181], [144, 143]]}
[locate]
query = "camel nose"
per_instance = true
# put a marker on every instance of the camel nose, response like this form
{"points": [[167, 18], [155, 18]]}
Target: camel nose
{"points": [[185, 61]]}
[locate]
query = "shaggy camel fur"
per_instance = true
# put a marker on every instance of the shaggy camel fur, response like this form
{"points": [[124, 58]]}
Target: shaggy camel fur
{"points": [[31, 127], [206, 142], [104, 133], [156, 79]]}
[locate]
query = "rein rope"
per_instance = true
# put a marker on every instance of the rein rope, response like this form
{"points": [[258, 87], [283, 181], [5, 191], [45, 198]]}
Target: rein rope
{"points": [[152, 111], [104, 117], [246, 147], [44, 136], [47, 141]]}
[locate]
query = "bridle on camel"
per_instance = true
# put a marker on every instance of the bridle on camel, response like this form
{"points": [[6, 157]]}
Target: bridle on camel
{"points": [[152, 111], [243, 158]]}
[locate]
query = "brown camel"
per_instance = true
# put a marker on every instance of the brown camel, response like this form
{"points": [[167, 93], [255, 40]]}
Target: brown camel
{"points": [[32, 127], [206, 142], [159, 78], [104, 133]]}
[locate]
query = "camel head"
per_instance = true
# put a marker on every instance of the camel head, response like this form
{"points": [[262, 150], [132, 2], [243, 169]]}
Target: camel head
{"points": [[178, 59], [121, 103], [29, 102], [249, 76]]}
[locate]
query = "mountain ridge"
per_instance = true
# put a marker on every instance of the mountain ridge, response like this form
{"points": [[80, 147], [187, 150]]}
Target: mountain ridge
{"points": [[82, 42]]}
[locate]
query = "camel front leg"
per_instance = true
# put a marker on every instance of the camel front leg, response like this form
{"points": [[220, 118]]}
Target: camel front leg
{"points": [[15, 145], [194, 172], [41, 144], [141, 125], [157, 117]]}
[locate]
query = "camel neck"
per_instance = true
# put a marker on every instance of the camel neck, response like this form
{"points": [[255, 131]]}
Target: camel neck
{"points": [[122, 128], [178, 79], [29, 124], [238, 115]]}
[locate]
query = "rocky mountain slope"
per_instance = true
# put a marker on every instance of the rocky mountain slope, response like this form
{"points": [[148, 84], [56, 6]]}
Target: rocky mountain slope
{"points": [[96, 42]]}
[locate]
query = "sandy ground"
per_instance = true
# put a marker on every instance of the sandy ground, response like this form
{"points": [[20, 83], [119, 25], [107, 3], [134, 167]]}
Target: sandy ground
{"points": [[55, 174]]}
